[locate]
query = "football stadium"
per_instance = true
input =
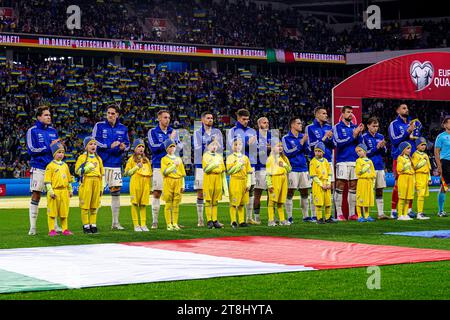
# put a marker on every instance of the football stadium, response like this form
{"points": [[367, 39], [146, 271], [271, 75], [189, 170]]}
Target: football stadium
{"points": [[224, 150]]}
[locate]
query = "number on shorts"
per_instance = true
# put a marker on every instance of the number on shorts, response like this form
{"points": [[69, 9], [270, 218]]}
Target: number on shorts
{"points": [[117, 176]]}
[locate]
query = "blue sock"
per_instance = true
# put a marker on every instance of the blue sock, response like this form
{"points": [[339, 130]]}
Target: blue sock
{"points": [[441, 200]]}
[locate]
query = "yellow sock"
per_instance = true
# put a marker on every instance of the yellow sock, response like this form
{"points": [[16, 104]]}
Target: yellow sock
{"points": [[143, 213], [214, 212], [93, 216], [280, 210], [270, 210], [319, 212], [175, 212], [401, 204], [134, 215], [64, 223], [358, 211], [208, 210], [406, 207], [51, 223], [420, 201], [366, 212], [233, 214], [85, 216], [327, 213], [168, 213], [241, 214]]}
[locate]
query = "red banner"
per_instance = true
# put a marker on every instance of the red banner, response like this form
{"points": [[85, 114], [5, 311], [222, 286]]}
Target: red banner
{"points": [[2, 190], [418, 76]]}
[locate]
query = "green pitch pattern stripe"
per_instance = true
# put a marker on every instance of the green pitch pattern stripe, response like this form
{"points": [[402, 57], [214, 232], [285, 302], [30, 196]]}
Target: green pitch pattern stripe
{"points": [[16, 282]]}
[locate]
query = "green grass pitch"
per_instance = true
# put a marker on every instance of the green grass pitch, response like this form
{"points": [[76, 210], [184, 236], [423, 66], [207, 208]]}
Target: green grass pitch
{"points": [[406, 281]]}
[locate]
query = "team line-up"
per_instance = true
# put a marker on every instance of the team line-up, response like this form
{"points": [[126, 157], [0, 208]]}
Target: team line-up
{"points": [[297, 161]]}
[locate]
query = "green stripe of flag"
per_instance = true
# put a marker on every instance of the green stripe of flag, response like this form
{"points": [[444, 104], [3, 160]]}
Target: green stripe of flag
{"points": [[16, 282]]}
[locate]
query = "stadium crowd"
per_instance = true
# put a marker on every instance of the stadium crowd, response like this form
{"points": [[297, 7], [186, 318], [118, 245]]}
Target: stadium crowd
{"points": [[221, 23], [77, 96]]}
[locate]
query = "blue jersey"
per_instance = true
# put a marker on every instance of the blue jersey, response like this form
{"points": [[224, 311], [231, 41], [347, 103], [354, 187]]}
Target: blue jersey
{"points": [[345, 142], [443, 143], [316, 132], [39, 138], [296, 152], [398, 133], [201, 137], [156, 138], [105, 135], [245, 133], [374, 154], [263, 154]]}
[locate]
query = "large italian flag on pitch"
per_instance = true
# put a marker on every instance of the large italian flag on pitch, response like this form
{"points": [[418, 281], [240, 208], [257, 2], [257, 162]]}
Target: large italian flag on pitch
{"points": [[280, 55], [81, 266]]}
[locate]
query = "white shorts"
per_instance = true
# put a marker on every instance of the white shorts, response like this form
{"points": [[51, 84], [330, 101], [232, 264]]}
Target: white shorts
{"points": [[157, 180], [198, 184], [346, 171], [380, 180], [37, 180], [299, 180], [260, 177], [113, 177]]}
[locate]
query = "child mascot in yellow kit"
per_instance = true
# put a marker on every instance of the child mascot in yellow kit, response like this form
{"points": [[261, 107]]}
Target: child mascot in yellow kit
{"points": [[422, 168], [139, 169], [214, 182], [365, 188], [58, 182], [406, 181], [277, 170], [239, 169], [320, 173], [173, 172], [89, 167]]}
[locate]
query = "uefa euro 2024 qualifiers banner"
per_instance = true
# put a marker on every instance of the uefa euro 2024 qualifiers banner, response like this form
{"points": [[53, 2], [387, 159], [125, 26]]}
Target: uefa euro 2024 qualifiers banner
{"points": [[174, 49]]}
